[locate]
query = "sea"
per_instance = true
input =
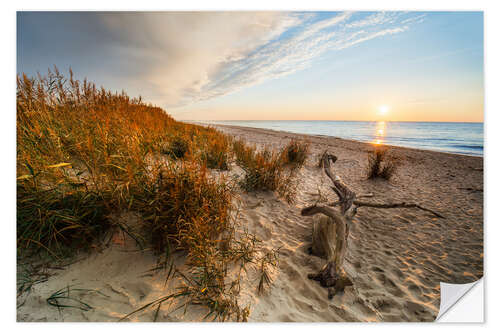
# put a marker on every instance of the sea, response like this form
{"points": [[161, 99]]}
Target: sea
{"points": [[451, 137]]}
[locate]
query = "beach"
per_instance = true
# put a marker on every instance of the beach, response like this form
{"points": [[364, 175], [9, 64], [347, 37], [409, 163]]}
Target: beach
{"points": [[396, 258]]}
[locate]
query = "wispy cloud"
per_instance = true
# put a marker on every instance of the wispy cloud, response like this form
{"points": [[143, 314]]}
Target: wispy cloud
{"points": [[179, 58], [295, 49], [414, 19]]}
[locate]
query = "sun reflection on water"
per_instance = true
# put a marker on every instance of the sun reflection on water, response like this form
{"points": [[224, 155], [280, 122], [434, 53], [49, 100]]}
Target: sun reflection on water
{"points": [[380, 129]]}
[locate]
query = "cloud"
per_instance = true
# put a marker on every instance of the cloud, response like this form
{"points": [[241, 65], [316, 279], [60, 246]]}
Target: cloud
{"points": [[374, 19], [291, 53], [414, 19], [182, 52], [179, 58]]}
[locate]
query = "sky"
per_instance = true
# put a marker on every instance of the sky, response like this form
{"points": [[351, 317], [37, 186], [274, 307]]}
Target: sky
{"points": [[392, 66]]}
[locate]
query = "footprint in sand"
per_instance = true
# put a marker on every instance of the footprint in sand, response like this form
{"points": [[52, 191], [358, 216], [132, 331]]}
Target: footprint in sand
{"points": [[138, 290], [361, 306], [383, 304], [413, 309], [415, 290]]}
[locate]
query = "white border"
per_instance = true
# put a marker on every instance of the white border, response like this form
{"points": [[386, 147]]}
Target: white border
{"points": [[7, 91]]}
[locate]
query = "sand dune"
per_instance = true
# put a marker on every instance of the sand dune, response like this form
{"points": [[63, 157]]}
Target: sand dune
{"points": [[396, 257]]}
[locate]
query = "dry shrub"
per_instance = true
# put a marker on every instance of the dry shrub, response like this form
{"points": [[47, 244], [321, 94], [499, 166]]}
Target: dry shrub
{"points": [[295, 153], [267, 170], [177, 148], [216, 152], [381, 164], [184, 207], [86, 154]]}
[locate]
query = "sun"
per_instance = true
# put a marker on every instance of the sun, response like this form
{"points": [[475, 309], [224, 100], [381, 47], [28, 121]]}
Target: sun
{"points": [[383, 109]]}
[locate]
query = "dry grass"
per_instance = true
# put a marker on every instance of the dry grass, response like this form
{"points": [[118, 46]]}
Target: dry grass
{"points": [[183, 207], [295, 153], [85, 155], [216, 151], [178, 147], [270, 170], [381, 164]]}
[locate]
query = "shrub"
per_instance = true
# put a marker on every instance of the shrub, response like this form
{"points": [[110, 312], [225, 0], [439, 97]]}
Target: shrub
{"points": [[263, 171], [215, 153], [381, 164], [184, 207], [178, 147], [295, 153], [84, 153], [266, 170]]}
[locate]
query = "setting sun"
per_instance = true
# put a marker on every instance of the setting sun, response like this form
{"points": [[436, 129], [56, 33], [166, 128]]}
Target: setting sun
{"points": [[383, 109]]}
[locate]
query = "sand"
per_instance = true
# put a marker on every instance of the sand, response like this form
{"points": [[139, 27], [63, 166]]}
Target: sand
{"points": [[395, 257]]}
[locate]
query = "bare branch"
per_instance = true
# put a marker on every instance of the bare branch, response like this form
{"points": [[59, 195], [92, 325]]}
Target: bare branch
{"points": [[346, 196], [388, 205], [396, 205], [316, 209]]}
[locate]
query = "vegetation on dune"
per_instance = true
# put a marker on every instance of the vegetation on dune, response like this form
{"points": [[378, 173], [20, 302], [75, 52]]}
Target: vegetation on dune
{"points": [[177, 147], [183, 207], [381, 164], [295, 153], [269, 170], [216, 152], [85, 155]]}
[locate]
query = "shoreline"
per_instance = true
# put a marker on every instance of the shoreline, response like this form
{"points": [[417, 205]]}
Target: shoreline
{"points": [[322, 136]]}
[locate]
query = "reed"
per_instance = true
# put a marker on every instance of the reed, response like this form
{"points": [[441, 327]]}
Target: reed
{"points": [[295, 153], [85, 155], [381, 164], [271, 170]]}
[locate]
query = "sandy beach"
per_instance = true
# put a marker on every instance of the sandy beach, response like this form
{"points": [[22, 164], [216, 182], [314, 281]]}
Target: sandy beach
{"points": [[396, 258]]}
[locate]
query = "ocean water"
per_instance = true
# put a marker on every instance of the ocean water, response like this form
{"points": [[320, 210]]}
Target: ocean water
{"points": [[458, 138]]}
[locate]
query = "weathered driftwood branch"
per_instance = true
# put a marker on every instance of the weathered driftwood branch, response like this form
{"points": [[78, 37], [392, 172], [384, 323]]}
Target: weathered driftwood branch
{"points": [[388, 205], [331, 231]]}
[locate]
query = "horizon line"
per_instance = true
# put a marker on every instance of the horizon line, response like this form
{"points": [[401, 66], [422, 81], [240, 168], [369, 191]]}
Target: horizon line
{"points": [[393, 121]]}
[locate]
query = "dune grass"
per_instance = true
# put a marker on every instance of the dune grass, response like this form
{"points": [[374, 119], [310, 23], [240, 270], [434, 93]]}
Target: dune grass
{"points": [[271, 170], [381, 164], [183, 207], [85, 155], [295, 153]]}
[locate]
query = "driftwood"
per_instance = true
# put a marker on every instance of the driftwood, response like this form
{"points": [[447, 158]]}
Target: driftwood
{"points": [[389, 205], [331, 230]]}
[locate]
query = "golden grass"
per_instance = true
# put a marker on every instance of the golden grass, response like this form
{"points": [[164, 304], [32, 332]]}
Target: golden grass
{"points": [[381, 164], [270, 170], [85, 155], [295, 153]]}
